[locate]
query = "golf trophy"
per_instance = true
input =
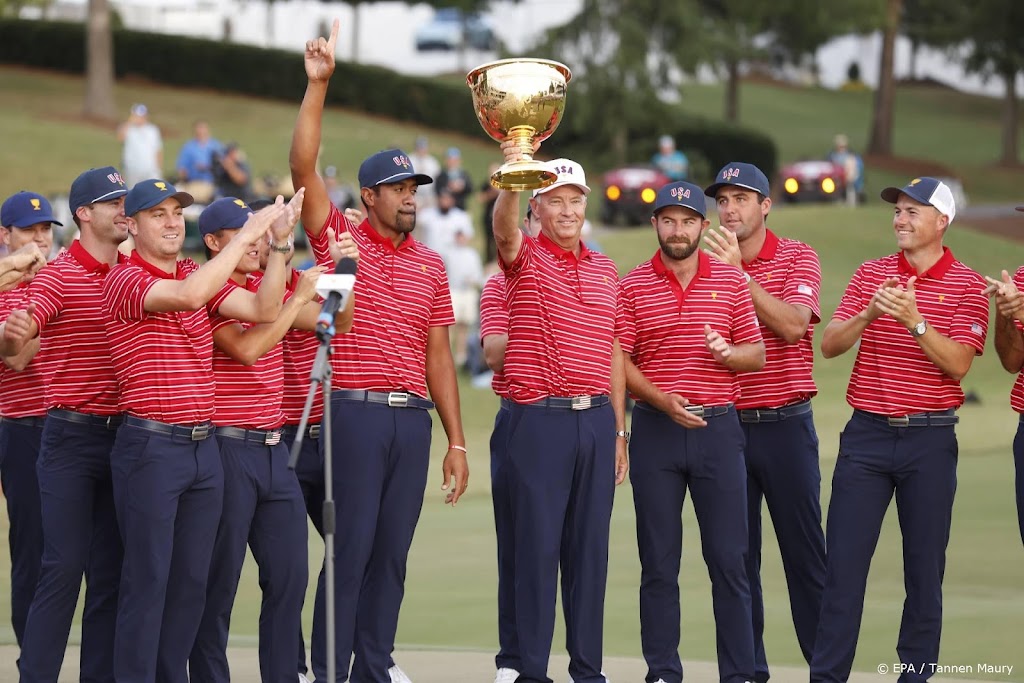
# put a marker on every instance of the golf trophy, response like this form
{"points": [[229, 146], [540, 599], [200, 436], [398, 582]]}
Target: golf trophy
{"points": [[522, 100]]}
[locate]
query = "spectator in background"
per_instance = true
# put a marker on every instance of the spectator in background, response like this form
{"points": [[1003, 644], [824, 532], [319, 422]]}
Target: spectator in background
{"points": [[425, 162], [143, 151], [465, 278], [488, 197], [437, 226], [670, 160], [852, 165], [195, 160], [454, 178], [341, 195], [232, 175]]}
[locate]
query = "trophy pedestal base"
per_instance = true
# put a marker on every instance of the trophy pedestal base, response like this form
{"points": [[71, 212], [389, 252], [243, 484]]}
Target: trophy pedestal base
{"points": [[517, 176]]}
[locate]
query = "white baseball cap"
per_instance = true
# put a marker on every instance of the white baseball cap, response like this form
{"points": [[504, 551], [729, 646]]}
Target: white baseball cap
{"points": [[929, 191], [569, 173]]}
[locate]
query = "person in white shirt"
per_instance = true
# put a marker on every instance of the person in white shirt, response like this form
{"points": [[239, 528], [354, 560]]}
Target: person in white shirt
{"points": [[425, 162], [436, 226], [143, 152], [465, 277]]}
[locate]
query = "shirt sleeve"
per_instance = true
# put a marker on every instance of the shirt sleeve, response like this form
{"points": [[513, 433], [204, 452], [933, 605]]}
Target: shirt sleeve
{"points": [[803, 285], [522, 261], [493, 310], [745, 328], [853, 301], [625, 318], [214, 304], [1018, 280], [124, 293], [47, 293], [441, 313], [969, 325], [320, 244]]}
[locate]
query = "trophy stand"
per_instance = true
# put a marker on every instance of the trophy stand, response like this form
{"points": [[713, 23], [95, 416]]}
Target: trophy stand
{"points": [[321, 374]]}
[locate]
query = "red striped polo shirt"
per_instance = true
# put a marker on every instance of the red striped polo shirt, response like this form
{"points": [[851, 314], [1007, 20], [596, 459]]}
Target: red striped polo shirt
{"points": [[892, 375], [22, 394], [1017, 393], [68, 294], [562, 312], [298, 351], [163, 361], [789, 271], [494, 320], [401, 292], [247, 396], [662, 326]]}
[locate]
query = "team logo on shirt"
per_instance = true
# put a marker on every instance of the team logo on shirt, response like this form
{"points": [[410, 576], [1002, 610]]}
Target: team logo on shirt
{"points": [[714, 295], [730, 173], [35, 204], [942, 297], [976, 328], [804, 289], [402, 160], [161, 186], [423, 268]]}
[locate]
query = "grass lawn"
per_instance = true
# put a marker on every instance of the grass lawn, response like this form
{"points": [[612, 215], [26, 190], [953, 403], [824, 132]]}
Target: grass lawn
{"points": [[450, 596]]}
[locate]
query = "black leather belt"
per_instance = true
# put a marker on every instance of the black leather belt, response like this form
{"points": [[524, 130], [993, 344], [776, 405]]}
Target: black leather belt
{"points": [[394, 399], [941, 418], [25, 421], [103, 421], [291, 431], [698, 410], [570, 402], [261, 437], [197, 432], [755, 415]]}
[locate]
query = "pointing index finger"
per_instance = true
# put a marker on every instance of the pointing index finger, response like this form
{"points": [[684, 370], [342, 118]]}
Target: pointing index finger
{"points": [[333, 40]]}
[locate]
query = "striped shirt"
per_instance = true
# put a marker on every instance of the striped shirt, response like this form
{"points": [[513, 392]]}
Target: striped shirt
{"points": [[247, 396], [789, 271], [22, 394], [494, 321], [68, 295], [662, 326], [892, 375], [163, 361], [562, 311], [401, 292], [1017, 393]]}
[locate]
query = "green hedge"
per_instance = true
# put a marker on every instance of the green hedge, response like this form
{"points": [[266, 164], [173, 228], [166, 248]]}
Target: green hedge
{"points": [[434, 103]]}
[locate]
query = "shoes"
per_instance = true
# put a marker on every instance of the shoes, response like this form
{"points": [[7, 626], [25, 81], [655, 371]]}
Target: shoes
{"points": [[606, 679], [303, 679], [397, 675], [506, 676]]}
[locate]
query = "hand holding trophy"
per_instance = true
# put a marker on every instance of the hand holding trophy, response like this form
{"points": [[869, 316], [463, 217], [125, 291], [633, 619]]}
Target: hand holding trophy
{"points": [[521, 100]]}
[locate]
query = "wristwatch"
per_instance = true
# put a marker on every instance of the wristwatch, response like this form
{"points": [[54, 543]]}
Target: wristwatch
{"points": [[282, 249], [623, 434], [919, 329], [746, 277]]}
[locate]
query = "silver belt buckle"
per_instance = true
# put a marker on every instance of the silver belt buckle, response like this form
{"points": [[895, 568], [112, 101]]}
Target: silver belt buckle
{"points": [[314, 431], [273, 438], [580, 402], [902, 421], [398, 399], [200, 432], [696, 410]]}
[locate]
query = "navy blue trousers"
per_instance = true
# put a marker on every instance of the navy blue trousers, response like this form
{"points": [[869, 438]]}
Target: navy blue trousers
{"points": [[501, 501], [310, 472], [264, 509], [782, 470], [666, 460], [918, 464], [381, 455], [168, 491], [19, 451], [561, 482], [80, 536], [1018, 459]]}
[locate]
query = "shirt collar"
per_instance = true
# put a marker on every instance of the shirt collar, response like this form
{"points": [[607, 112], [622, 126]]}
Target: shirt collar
{"points": [[768, 249], [137, 260], [563, 254], [385, 242], [86, 260], [937, 271]]}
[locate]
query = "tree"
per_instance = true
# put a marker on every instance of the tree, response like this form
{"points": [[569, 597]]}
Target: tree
{"points": [[99, 62], [880, 138]]}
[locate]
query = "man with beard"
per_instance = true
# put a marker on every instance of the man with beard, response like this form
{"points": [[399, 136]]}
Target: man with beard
{"points": [[687, 329], [781, 449], [397, 352], [80, 534]]}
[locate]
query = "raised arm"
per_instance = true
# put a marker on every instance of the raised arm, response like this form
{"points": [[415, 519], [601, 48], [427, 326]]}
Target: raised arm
{"points": [[507, 235], [319, 61]]}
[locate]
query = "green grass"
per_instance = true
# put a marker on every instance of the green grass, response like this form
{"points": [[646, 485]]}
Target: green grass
{"points": [[450, 596]]}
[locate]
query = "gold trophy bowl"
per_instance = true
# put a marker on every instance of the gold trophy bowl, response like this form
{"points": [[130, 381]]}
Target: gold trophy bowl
{"points": [[522, 100]]}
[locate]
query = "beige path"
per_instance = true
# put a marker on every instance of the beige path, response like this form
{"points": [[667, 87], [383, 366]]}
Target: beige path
{"points": [[474, 667]]}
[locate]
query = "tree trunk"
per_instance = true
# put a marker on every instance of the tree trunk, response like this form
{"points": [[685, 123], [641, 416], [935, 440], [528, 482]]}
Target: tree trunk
{"points": [[732, 91], [355, 33], [269, 37], [915, 47], [1010, 125], [880, 140], [99, 63]]}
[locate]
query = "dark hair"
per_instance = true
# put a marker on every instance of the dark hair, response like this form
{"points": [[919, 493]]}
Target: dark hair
{"points": [[260, 203]]}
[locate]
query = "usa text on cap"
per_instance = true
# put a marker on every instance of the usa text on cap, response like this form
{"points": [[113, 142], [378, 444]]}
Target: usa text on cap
{"points": [[227, 213], [681, 193], [148, 193], [389, 166], [929, 191], [25, 209], [96, 185], [743, 175], [568, 172]]}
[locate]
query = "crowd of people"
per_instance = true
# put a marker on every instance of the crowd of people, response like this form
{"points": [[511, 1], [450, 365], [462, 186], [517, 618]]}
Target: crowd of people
{"points": [[135, 456]]}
